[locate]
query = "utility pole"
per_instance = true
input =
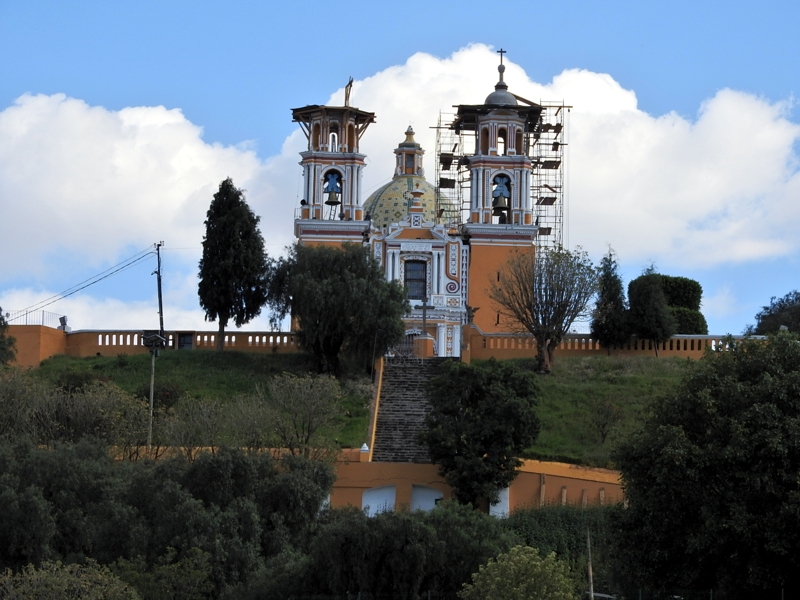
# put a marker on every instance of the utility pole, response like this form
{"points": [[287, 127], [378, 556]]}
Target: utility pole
{"points": [[155, 342], [591, 581]]}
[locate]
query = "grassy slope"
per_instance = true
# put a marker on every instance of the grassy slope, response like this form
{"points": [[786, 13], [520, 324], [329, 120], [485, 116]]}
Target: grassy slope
{"points": [[576, 386], [209, 374], [566, 406]]}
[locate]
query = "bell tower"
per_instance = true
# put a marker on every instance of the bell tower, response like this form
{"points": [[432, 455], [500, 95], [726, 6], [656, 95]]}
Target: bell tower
{"points": [[500, 169], [331, 209], [500, 220]]}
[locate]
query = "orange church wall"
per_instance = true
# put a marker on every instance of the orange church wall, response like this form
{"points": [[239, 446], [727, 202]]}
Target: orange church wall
{"points": [[502, 346], [36, 343], [563, 483], [485, 262], [81, 344]]}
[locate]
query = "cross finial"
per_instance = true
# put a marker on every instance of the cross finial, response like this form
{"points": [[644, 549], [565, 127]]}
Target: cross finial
{"points": [[501, 52]]}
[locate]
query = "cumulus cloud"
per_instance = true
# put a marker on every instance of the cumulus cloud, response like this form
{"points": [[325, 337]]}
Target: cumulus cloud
{"points": [[90, 183]]}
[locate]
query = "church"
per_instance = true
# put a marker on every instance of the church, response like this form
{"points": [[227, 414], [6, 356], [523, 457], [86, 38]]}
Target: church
{"points": [[498, 188]]}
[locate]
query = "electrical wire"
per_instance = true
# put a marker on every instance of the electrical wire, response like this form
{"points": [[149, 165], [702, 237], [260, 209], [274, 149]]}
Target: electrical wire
{"points": [[118, 268]]}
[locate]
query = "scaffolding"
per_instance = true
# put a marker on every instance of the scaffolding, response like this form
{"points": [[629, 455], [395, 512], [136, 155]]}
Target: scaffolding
{"points": [[452, 170], [545, 145]]}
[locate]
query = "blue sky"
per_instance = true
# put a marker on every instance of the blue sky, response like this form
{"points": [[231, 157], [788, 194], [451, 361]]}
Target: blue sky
{"points": [[118, 120]]}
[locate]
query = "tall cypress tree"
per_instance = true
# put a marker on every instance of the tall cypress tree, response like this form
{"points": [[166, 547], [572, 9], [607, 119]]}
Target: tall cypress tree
{"points": [[7, 343], [609, 318], [235, 267]]}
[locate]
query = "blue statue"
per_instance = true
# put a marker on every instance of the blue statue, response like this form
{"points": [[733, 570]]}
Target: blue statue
{"points": [[332, 184], [501, 187]]}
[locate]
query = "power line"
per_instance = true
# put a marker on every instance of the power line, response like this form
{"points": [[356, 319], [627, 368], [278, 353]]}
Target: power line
{"points": [[118, 268]]}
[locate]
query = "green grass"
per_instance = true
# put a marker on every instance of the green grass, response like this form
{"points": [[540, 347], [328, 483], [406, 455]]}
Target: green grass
{"points": [[572, 393], [569, 398], [206, 374]]}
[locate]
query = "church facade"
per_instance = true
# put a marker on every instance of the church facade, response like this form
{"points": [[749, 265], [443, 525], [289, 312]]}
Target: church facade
{"points": [[444, 252]]}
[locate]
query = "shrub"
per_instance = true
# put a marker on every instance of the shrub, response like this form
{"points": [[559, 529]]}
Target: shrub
{"points": [[688, 321], [682, 291]]}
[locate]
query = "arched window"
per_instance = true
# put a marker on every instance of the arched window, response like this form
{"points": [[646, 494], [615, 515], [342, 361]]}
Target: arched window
{"points": [[333, 138], [315, 137], [352, 145], [416, 280], [485, 141], [409, 164], [502, 145]]}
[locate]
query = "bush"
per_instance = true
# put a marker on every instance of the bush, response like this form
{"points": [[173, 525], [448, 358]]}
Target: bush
{"points": [[688, 322], [165, 393], [521, 574], [682, 291]]}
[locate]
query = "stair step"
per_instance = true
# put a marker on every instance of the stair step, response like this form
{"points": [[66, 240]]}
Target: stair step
{"points": [[402, 410]]}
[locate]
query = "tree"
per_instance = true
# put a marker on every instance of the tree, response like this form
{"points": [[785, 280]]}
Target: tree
{"points": [[545, 292], [482, 417], [341, 302], [71, 582], [780, 312], [649, 314], [711, 478], [683, 296], [609, 318], [7, 343], [234, 267], [521, 574], [304, 412]]}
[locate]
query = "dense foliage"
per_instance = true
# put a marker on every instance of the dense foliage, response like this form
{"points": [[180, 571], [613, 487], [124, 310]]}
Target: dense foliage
{"points": [[609, 318], [781, 312], [482, 418], [544, 292], [650, 318], [341, 302], [7, 342], [682, 292], [234, 268], [522, 573], [65, 582], [688, 321], [301, 413], [711, 479], [224, 513]]}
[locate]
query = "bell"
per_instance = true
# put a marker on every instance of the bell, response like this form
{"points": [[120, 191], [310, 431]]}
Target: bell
{"points": [[499, 207], [333, 199]]}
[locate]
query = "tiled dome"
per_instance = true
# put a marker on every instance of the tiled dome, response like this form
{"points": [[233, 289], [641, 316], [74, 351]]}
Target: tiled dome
{"points": [[390, 202]]}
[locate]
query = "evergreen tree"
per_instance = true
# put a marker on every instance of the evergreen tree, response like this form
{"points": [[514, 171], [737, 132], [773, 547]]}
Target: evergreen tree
{"points": [[609, 318], [481, 419], [649, 314], [341, 303], [7, 343], [234, 268], [710, 479]]}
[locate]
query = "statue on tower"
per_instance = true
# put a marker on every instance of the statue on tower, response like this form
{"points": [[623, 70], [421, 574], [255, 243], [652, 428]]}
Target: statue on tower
{"points": [[332, 184]]}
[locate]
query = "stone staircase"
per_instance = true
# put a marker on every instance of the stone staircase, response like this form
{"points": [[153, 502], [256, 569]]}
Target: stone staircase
{"points": [[402, 409]]}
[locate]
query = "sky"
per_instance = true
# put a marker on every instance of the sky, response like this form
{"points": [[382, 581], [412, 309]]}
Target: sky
{"points": [[119, 120]]}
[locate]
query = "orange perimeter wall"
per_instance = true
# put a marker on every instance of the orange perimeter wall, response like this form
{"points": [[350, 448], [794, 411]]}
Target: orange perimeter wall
{"points": [[538, 483]]}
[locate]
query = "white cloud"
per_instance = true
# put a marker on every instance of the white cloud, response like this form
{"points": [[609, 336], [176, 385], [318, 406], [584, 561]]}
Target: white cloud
{"points": [[721, 304], [89, 183]]}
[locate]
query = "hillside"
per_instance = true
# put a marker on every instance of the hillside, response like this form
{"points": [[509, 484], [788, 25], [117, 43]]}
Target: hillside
{"points": [[581, 400], [583, 396]]}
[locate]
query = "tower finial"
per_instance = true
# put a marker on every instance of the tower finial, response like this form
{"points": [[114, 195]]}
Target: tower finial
{"points": [[501, 68], [347, 89]]}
